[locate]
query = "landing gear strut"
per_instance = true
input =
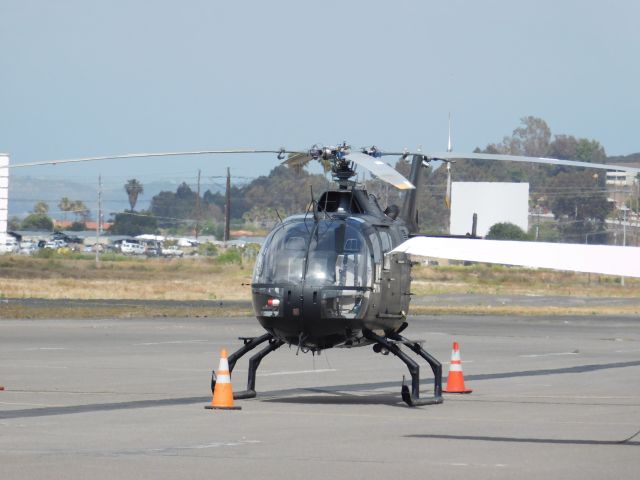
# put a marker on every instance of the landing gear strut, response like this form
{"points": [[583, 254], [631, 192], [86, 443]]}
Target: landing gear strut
{"points": [[254, 362], [390, 344]]}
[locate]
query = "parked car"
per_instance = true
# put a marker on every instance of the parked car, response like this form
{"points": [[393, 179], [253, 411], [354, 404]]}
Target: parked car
{"points": [[55, 244], [132, 247], [10, 245], [152, 248], [172, 251], [57, 235], [28, 247]]}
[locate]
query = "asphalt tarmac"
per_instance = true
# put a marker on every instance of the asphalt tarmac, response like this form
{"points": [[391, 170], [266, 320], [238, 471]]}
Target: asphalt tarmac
{"points": [[104, 399]]}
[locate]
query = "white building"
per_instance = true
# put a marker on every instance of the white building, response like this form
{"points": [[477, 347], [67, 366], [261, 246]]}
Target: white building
{"points": [[494, 202]]}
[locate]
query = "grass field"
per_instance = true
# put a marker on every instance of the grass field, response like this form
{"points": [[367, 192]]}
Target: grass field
{"points": [[228, 278], [120, 277]]}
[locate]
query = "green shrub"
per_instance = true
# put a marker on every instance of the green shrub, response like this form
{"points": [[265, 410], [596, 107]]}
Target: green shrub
{"points": [[231, 256], [207, 249], [45, 253]]}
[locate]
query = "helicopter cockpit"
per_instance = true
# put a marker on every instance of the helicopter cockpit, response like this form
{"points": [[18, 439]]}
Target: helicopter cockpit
{"points": [[328, 263], [324, 253]]}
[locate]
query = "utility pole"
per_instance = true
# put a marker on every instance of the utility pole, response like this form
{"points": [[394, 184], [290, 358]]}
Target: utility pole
{"points": [[98, 220], [624, 226], [637, 184], [198, 207], [227, 208], [624, 234]]}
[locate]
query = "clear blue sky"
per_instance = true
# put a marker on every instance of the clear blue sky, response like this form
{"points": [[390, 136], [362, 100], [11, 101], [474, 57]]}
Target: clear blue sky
{"points": [[85, 77]]}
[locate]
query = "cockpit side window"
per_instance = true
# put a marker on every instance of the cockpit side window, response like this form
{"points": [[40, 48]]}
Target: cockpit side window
{"points": [[375, 245], [385, 238], [376, 249], [387, 246]]}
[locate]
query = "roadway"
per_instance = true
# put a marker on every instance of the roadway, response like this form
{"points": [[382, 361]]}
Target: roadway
{"points": [[102, 399]]}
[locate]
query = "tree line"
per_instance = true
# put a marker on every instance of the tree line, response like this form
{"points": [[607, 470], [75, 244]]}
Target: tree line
{"points": [[577, 197], [257, 205], [39, 219]]}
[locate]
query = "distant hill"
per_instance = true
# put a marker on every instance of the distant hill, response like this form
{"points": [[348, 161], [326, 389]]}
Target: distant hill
{"points": [[620, 159], [26, 191], [277, 190]]}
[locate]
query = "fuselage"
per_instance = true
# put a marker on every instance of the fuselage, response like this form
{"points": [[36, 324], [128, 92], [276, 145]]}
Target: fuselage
{"points": [[321, 279]]}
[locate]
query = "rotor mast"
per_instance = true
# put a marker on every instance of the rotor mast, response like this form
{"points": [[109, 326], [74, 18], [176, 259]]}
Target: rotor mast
{"points": [[341, 168]]}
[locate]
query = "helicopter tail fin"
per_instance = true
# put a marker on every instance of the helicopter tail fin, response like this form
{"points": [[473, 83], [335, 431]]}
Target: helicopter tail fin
{"points": [[408, 211]]}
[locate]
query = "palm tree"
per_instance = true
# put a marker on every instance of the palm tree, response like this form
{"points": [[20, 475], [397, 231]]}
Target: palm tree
{"points": [[80, 210], [41, 208], [65, 205], [133, 188]]}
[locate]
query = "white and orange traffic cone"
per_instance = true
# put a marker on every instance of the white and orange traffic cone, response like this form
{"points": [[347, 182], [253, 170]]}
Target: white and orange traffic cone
{"points": [[455, 382], [223, 392]]}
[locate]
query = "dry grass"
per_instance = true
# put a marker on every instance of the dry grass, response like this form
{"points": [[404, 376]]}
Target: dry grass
{"points": [[131, 278], [13, 310], [525, 310], [493, 279], [203, 278]]}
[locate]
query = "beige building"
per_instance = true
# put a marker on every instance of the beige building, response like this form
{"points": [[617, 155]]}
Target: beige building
{"points": [[621, 187], [4, 196]]}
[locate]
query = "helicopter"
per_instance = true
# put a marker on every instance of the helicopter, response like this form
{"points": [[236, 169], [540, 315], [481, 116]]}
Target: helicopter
{"points": [[339, 274]]}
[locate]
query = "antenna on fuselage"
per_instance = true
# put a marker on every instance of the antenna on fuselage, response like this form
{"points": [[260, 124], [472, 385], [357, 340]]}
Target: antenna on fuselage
{"points": [[447, 194]]}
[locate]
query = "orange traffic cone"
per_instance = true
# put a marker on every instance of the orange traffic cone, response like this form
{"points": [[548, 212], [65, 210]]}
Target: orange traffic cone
{"points": [[455, 382], [223, 392]]}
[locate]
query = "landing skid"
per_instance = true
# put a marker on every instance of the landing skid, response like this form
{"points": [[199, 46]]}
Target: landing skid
{"points": [[254, 362], [411, 398], [390, 343]]}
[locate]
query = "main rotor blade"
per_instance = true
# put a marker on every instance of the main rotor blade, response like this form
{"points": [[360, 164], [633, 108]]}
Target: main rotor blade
{"points": [[518, 158], [365, 160], [297, 160], [145, 155], [380, 169], [604, 259]]}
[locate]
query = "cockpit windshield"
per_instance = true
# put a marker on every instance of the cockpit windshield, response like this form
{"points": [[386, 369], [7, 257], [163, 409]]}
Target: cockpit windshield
{"points": [[324, 253], [282, 257]]}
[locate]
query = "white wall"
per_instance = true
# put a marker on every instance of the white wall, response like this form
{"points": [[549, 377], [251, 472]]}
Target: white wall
{"points": [[494, 202], [4, 195]]}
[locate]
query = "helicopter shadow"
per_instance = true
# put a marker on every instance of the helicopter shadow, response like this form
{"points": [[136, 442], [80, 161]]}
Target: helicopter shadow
{"points": [[319, 396]]}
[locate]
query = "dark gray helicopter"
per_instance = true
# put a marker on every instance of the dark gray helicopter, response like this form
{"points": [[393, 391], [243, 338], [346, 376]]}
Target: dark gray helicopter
{"points": [[325, 279], [337, 275], [340, 274]]}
